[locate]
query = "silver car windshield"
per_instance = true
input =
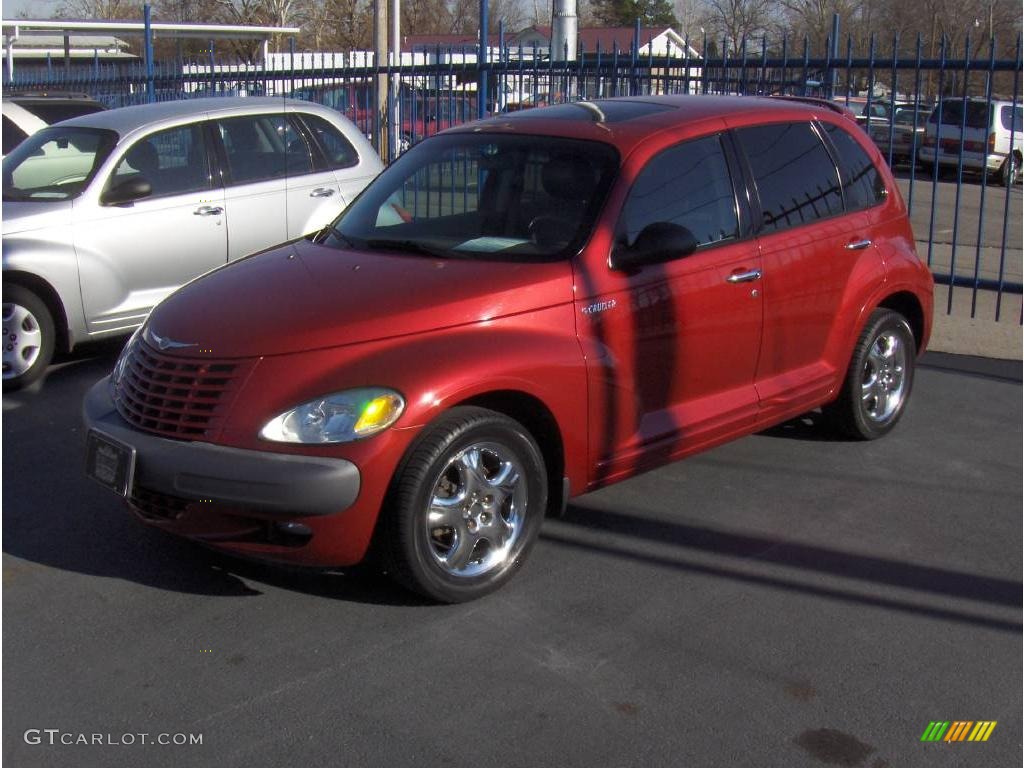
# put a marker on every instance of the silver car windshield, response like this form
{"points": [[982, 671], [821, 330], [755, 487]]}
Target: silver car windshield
{"points": [[56, 163], [483, 196]]}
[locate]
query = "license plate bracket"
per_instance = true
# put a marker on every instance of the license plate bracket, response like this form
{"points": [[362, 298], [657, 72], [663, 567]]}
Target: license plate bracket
{"points": [[109, 462]]}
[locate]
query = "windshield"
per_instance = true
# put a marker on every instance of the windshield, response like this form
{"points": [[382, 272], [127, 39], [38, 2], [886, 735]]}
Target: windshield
{"points": [[56, 163], [482, 196], [906, 116]]}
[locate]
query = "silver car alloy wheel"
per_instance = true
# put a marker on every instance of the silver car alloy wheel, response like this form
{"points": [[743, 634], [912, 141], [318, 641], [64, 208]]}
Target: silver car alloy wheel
{"points": [[23, 340], [883, 385], [476, 510]]}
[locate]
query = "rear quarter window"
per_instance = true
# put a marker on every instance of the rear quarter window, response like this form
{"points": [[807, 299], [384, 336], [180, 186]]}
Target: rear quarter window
{"points": [[797, 182], [339, 150], [1011, 119], [862, 183]]}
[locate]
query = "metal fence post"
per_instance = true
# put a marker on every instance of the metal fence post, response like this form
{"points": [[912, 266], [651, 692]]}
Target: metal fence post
{"points": [[148, 33], [832, 75], [481, 62]]}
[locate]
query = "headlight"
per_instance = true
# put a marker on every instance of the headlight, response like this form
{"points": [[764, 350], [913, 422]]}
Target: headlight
{"points": [[338, 418], [122, 360]]}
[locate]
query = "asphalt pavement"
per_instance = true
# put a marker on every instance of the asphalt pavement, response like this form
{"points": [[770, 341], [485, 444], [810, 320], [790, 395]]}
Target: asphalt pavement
{"points": [[785, 600]]}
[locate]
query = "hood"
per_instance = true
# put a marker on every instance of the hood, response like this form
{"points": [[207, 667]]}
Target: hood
{"points": [[304, 296], [24, 216]]}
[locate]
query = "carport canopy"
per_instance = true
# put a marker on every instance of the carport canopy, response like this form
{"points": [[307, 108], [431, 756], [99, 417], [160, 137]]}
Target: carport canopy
{"points": [[15, 29]]}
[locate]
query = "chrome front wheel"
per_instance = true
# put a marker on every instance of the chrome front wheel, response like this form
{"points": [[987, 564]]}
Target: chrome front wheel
{"points": [[465, 506], [476, 510]]}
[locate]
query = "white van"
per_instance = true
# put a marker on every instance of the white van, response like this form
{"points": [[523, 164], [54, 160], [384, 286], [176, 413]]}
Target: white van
{"points": [[986, 138]]}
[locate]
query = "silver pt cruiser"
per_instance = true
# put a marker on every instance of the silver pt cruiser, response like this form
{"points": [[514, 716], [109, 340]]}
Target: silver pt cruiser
{"points": [[105, 214]]}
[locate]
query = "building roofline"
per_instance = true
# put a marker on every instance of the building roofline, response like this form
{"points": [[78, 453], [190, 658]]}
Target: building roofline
{"points": [[19, 27]]}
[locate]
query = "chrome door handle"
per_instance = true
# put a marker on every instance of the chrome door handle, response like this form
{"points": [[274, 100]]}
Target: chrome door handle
{"points": [[744, 277], [321, 192], [858, 245], [208, 210]]}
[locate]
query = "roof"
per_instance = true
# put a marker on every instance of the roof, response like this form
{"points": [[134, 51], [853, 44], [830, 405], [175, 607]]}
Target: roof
{"points": [[610, 37], [589, 37], [125, 120], [429, 42], [629, 120]]}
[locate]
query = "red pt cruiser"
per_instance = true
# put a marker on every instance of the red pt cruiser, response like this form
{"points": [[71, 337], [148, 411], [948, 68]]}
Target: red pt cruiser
{"points": [[517, 311]]}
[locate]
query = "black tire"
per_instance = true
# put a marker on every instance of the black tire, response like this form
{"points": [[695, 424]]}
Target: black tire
{"points": [[420, 551], [1009, 171], [879, 379], [28, 333]]}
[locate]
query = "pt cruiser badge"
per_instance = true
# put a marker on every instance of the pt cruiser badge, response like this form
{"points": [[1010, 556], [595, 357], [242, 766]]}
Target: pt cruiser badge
{"points": [[600, 306], [164, 343]]}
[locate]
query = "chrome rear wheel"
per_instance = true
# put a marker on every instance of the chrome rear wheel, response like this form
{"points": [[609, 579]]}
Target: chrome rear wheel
{"points": [[878, 380], [884, 384]]}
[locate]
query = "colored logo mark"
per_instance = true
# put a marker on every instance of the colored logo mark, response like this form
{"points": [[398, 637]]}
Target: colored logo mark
{"points": [[958, 730]]}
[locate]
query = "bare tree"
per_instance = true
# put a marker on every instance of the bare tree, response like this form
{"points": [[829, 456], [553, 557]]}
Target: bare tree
{"points": [[736, 20], [100, 9]]}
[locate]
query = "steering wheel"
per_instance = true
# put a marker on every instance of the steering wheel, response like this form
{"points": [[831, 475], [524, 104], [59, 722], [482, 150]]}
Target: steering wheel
{"points": [[546, 230]]}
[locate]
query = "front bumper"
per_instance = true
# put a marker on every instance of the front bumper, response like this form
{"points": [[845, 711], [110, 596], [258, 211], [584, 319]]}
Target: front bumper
{"points": [[268, 483]]}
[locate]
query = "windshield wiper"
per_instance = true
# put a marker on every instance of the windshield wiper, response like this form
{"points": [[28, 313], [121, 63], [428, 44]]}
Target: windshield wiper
{"points": [[333, 230], [407, 246]]}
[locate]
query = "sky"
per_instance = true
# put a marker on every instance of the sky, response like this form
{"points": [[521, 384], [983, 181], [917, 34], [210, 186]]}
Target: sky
{"points": [[34, 9]]}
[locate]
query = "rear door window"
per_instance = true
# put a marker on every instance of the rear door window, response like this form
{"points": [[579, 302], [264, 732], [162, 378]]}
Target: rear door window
{"points": [[796, 179], [262, 147]]}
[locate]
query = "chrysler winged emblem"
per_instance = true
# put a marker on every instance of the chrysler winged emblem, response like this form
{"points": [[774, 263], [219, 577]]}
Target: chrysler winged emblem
{"points": [[165, 342]]}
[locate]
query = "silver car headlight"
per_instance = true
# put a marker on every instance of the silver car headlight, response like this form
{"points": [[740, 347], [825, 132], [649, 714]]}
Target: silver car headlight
{"points": [[337, 418]]}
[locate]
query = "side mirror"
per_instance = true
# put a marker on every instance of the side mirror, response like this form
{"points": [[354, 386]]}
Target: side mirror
{"points": [[656, 243], [127, 191]]}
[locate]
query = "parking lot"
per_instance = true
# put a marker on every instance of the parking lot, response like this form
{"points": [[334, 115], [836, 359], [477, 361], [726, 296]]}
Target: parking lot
{"points": [[785, 600], [968, 245]]}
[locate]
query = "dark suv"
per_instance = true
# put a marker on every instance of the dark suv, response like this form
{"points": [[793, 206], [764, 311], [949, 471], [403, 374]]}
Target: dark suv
{"points": [[26, 112], [514, 312]]}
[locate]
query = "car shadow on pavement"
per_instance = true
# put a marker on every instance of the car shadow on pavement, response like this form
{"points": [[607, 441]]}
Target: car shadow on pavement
{"points": [[812, 426], [815, 426], [642, 539], [115, 545], [53, 516]]}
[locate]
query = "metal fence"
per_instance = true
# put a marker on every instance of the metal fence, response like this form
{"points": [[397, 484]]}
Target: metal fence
{"points": [[968, 224]]}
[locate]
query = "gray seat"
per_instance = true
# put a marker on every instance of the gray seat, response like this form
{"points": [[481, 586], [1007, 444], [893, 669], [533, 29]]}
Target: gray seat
{"points": [[144, 158]]}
